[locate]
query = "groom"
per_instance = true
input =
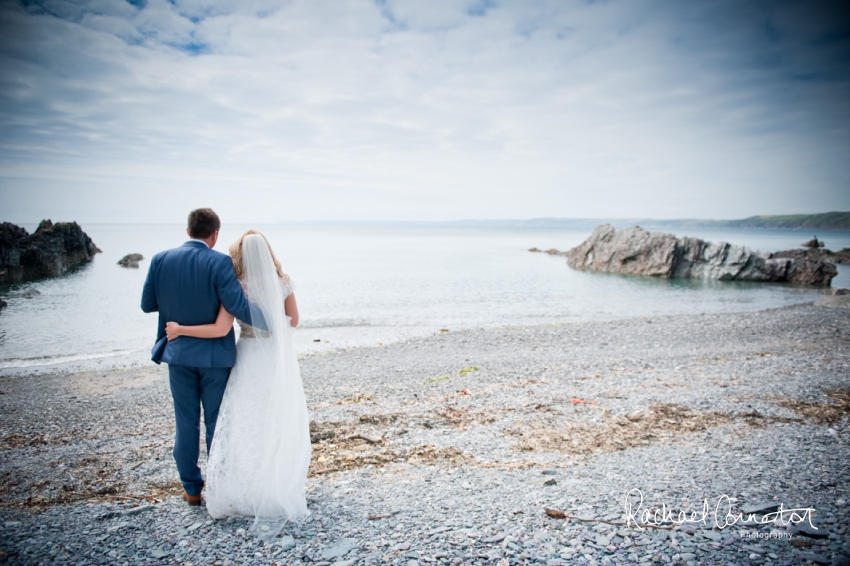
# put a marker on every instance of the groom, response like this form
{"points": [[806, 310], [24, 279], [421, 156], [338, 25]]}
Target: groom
{"points": [[187, 285]]}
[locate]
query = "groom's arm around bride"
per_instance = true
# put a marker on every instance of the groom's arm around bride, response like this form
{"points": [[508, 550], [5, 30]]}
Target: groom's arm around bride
{"points": [[187, 285]]}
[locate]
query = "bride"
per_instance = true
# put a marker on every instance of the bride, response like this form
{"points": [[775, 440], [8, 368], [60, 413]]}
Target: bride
{"points": [[261, 448]]}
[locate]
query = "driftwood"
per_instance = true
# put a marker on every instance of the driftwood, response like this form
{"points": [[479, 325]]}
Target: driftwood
{"points": [[369, 439]]}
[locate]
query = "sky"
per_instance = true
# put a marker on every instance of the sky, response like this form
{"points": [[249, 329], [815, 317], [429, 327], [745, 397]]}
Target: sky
{"points": [[428, 110]]}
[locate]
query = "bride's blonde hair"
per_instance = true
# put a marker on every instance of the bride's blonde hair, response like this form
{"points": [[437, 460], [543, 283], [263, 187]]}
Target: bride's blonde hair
{"points": [[236, 256]]}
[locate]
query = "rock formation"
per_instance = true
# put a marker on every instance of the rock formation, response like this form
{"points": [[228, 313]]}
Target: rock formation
{"points": [[50, 251], [819, 254], [552, 251], [131, 260], [813, 243], [834, 302], [28, 294], [635, 251]]}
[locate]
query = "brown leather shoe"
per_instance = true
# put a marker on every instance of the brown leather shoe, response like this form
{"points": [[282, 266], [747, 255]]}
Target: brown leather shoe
{"points": [[193, 500]]}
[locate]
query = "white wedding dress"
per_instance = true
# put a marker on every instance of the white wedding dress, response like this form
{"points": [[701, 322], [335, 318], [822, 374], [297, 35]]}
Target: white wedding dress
{"points": [[261, 448]]}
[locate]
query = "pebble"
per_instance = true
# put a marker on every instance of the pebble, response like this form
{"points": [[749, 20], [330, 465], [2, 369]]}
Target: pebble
{"points": [[286, 542], [815, 557], [341, 548], [811, 531]]}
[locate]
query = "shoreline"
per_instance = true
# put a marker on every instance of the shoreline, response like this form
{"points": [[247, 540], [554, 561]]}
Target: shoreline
{"points": [[449, 434], [311, 340]]}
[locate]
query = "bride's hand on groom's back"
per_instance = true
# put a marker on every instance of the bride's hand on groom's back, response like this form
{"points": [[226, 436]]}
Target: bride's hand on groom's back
{"points": [[172, 330]]}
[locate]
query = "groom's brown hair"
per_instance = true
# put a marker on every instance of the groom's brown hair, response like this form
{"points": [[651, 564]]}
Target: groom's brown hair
{"points": [[203, 222]]}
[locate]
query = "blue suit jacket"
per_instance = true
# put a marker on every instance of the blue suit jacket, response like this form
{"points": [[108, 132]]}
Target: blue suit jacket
{"points": [[187, 285]]}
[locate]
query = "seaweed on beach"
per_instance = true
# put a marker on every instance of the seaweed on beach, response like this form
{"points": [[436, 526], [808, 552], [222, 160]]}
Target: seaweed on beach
{"points": [[462, 417], [20, 440], [336, 448], [603, 432], [661, 421], [430, 454], [94, 478], [822, 413], [345, 446]]}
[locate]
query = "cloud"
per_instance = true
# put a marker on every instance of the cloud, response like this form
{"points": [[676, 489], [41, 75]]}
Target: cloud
{"points": [[422, 110]]}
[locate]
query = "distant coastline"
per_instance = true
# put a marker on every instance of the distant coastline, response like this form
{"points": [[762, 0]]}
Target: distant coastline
{"points": [[822, 221]]}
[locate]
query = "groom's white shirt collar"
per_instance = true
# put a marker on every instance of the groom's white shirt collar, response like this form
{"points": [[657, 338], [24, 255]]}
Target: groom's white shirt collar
{"points": [[203, 242]]}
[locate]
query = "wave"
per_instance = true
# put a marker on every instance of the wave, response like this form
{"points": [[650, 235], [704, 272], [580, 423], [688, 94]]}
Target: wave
{"points": [[334, 323], [14, 363]]}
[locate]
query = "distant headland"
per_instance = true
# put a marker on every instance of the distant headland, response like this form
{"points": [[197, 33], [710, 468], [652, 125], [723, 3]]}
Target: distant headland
{"points": [[822, 221]]}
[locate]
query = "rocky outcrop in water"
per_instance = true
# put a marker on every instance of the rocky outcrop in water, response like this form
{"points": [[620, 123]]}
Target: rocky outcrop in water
{"points": [[131, 260], [819, 254], [634, 251], [51, 250]]}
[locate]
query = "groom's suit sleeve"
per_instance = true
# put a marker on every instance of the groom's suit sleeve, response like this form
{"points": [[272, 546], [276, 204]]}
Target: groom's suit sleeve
{"points": [[232, 296], [149, 302]]}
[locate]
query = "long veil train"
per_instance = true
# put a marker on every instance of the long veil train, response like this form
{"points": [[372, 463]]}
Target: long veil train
{"points": [[261, 448]]}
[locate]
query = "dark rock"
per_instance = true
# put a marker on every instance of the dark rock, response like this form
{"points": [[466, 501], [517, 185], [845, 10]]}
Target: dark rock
{"points": [[634, 251], [839, 560], [139, 509], [11, 235], [3, 304], [814, 557], [813, 243], [131, 260], [841, 291], [50, 251], [818, 254], [760, 508], [804, 528]]}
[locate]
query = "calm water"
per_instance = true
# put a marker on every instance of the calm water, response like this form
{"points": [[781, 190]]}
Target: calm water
{"points": [[364, 284]]}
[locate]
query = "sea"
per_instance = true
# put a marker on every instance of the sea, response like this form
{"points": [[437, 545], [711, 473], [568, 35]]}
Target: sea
{"points": [[368, 284]]}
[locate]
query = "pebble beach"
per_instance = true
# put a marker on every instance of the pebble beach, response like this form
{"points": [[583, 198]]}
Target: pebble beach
{"points": [[507, 445]]}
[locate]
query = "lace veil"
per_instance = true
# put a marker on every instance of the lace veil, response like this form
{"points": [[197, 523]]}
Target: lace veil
{"points": [[286, 453]]}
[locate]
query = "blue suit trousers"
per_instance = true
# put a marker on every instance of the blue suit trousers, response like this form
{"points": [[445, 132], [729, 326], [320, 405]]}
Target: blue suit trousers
{"points": [[191, 388]]}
